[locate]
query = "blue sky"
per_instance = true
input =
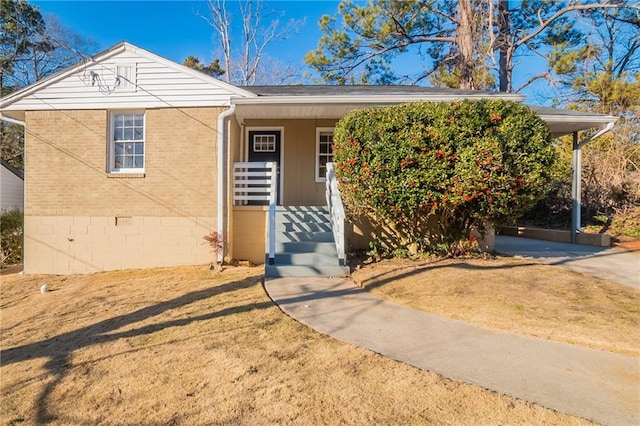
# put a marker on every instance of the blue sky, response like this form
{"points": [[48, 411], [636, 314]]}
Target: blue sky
{"points": [[173, 29]]}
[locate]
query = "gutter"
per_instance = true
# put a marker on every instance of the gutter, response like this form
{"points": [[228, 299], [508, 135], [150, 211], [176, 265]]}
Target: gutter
{"points": [[368, 99], [222, 127]]}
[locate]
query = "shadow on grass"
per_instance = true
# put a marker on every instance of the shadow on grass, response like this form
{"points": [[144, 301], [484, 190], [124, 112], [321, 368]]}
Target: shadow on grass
{"points": [[384, 278], [58, 349]]}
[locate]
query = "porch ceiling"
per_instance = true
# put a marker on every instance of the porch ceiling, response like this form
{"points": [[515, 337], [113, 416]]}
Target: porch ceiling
{"points": [[560, 121], [297, 111]]}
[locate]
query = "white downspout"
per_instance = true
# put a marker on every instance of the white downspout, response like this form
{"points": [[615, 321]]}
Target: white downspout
{"points": [[601, 132], [222, 180]]}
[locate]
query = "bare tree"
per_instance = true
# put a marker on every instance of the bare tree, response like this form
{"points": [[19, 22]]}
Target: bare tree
{"points": [[65, 48], [32, 47], [244, 47]]}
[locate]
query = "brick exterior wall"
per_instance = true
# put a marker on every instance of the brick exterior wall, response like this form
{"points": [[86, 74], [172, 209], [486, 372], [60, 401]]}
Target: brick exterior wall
{"points": [[72, 202]]}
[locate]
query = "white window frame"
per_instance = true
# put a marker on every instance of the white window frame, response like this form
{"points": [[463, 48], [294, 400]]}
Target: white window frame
{"points": [[270, 144], [112, 143], [319, 131]]}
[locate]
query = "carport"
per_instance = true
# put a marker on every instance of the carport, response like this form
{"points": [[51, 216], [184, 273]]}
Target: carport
{"points": [[563, 122]]}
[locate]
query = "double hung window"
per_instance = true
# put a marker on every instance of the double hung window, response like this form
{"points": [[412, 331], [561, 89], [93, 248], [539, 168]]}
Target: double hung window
{"points": [[126, 145], [324, 152]]}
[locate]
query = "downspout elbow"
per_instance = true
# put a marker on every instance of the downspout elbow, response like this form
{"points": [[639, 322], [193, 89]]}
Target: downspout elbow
{"points": [[606, 129]]}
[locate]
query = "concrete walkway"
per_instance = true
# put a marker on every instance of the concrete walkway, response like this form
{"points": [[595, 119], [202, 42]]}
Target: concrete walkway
{"points": [[592, 384], [618, 265]]}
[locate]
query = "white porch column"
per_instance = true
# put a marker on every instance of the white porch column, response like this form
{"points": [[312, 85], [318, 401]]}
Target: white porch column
{"points": [[576, 184], [576, 189]]}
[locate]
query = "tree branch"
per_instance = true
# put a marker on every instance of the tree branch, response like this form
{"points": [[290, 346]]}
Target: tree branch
{"points": [[544, 75], [572, 8]]}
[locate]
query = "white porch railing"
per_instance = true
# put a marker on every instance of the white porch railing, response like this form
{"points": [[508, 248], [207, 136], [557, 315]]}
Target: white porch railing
{"points": [[257, 181], [336, 212]]}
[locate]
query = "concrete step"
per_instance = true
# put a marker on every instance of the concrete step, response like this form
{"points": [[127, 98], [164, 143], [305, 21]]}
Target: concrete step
{"points": [[304, 244], [318, 237], [287, 217], [315, 259], [276, 271], [305, 247], [302, 227], [304, 209]]}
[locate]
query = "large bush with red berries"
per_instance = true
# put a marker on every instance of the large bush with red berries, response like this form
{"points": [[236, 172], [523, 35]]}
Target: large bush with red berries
{"points": [[425, 173]]}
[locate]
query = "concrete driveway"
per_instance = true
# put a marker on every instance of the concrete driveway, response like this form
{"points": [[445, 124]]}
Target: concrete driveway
{"points": [[614, 264], [589, 383]]}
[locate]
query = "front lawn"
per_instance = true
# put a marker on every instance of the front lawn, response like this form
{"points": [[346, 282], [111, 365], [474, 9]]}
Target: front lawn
{"points": [[515, 295], [192, 347]]}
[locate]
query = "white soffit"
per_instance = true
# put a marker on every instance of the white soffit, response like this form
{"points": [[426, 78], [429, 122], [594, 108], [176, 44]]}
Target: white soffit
{"points": [[561, 122]]}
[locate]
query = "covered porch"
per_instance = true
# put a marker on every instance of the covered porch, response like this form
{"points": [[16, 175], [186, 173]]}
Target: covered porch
{"points": [[291, 127], [299, 240]]}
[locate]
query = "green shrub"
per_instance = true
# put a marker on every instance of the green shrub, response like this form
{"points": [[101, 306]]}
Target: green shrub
{"points": [[11, 225], [425, 173]]}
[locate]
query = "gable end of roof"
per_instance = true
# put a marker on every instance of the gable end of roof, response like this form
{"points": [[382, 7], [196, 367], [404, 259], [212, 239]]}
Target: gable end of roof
{"points": [[109, 53]]}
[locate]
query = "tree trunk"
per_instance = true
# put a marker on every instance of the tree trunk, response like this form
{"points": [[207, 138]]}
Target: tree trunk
{"points": [[464, 40], [504, 36]]}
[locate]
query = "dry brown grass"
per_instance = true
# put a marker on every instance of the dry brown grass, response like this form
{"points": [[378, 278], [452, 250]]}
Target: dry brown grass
{"points": [[517, 296], [189, 346]]}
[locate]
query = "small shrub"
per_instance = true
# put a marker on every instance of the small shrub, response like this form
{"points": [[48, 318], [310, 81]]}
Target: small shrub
{"points": [[11, 237], [215, 240]]}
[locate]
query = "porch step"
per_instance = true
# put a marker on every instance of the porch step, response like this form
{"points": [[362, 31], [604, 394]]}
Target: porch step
{"points": [[306, 236], [305, 246], [308, 246], [309, 258], [302, 226], [277, 271]]}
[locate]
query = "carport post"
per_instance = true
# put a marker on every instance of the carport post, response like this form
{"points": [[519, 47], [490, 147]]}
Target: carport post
{"points": [[576, 184], [576, 189]]}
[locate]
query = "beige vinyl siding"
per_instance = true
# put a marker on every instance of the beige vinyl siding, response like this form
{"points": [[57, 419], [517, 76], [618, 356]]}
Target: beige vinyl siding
{"points": [[299, 159]]}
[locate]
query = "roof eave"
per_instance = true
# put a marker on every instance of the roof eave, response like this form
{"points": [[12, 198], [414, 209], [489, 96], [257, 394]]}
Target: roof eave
{"points": [[556, 118], [368, 99], [561, 125]]}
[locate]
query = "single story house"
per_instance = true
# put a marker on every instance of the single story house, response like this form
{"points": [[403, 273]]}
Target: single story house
{"points": [[131, 159], [11, 187]]}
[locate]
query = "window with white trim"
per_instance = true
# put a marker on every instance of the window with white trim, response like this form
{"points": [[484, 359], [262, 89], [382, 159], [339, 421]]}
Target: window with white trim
{"points": [[324, 152], [126, 144]]}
